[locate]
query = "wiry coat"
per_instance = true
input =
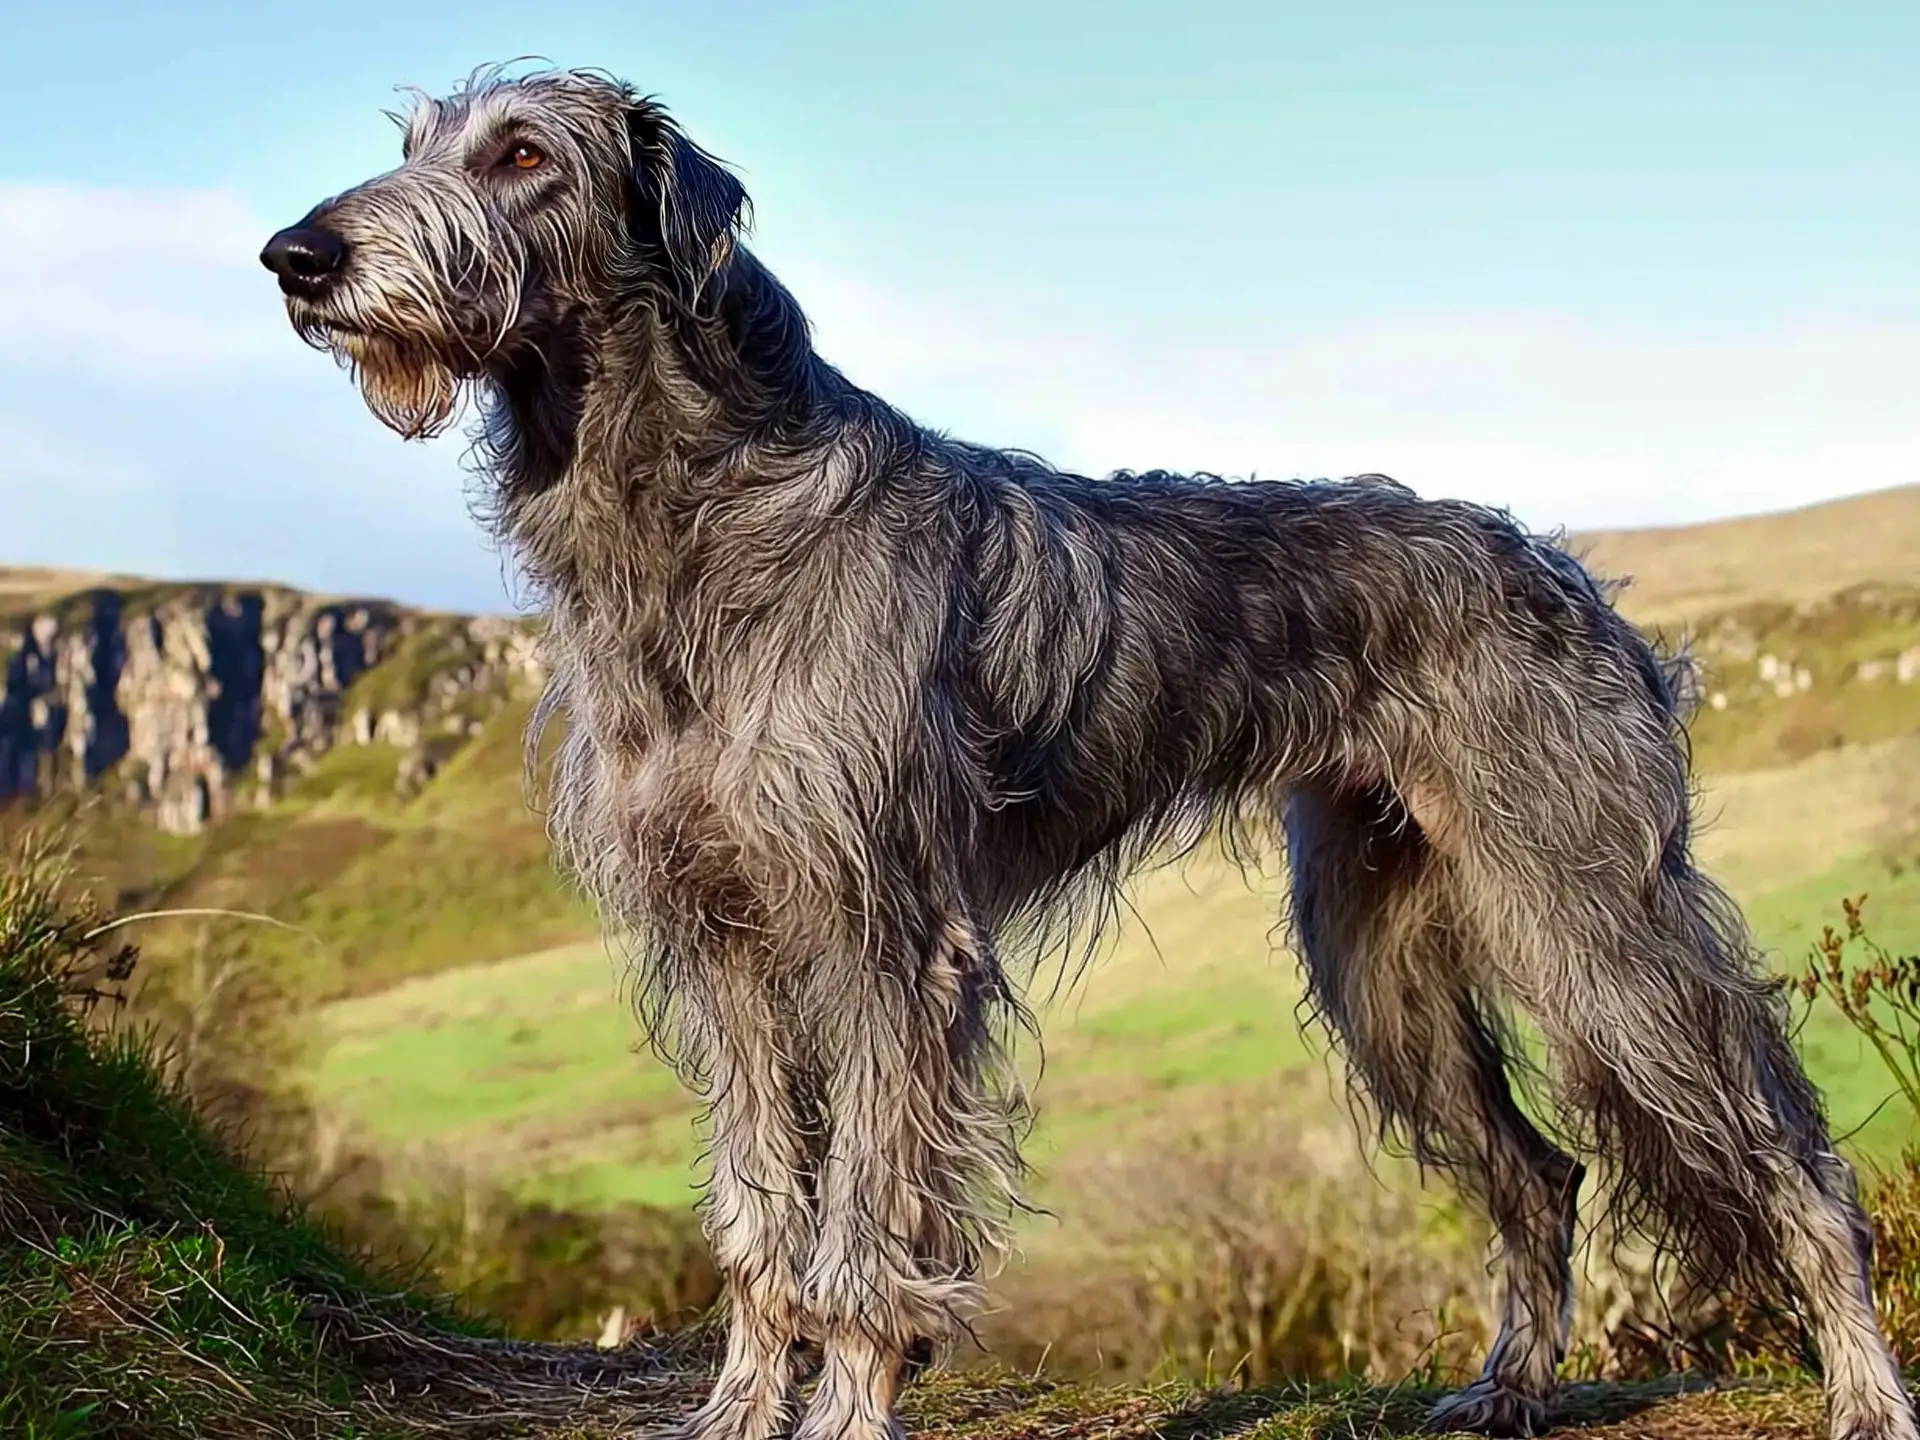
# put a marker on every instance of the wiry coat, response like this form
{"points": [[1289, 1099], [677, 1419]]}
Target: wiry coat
{"points": [[849, 706]]}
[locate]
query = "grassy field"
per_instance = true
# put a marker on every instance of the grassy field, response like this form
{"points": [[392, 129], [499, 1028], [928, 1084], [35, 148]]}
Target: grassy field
{"points": [[380, 888], [156, 1285], [526, 1068]]}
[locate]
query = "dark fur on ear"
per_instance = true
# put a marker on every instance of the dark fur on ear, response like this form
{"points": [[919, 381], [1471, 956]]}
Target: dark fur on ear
{"points": [[687, 203]]}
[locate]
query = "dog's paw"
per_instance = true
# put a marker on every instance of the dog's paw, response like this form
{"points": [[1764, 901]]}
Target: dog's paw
{"points": [[825, 1425], [1487, 1407], [729, 1415], [1892, 1425]]}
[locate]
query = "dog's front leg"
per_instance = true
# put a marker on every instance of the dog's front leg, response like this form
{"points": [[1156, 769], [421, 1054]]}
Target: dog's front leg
{"points": [[920, 1160], [756, 1210]]}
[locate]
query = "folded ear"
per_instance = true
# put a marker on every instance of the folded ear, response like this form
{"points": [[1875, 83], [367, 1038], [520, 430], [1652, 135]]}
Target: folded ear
{"points": [[688, 204]]}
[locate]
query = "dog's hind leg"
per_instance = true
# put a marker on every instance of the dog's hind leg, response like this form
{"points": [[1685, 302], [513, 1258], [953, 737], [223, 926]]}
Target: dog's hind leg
{"points": [[1643, 979], [1394, 970], [919, 1158], [756, 1210]]}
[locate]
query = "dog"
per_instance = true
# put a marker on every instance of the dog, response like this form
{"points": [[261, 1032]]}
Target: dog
{"points": [[853, 712]]}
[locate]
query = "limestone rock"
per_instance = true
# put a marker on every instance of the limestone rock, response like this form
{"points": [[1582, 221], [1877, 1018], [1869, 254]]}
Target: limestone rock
{"points": [[187, 700]]}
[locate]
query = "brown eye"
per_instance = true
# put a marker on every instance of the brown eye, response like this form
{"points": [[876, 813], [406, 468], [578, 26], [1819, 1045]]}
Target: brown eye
{"points": [[526, 157]]}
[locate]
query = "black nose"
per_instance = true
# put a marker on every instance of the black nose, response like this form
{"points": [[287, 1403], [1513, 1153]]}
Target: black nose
{"points": [[304, 257]]}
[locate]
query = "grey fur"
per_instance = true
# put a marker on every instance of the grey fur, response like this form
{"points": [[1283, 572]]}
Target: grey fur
{"points": [[850, 706]]}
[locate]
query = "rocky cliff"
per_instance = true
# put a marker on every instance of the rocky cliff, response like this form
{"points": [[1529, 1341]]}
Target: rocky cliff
{"points": [[188, 701]]}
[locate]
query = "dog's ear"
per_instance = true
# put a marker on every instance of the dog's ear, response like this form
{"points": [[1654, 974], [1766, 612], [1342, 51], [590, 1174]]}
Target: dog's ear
{"points": [[686, 202]]}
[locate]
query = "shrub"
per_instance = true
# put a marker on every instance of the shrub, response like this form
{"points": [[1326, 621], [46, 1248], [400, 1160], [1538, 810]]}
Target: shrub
{"points": [[1249, 1248], [1878, 993]]}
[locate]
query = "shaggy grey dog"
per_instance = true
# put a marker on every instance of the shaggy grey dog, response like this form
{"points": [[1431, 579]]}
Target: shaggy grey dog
{"points": [[850, 706]]}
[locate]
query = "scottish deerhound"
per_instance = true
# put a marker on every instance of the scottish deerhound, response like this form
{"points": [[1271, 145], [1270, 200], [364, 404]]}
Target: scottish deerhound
{"points": [[852, 708]]}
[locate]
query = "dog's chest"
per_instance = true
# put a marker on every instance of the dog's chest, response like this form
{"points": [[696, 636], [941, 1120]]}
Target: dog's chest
{"points": [[709, 809]]}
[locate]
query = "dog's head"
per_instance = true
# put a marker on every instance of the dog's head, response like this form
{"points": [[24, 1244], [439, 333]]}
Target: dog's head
{"points": [[518, 204]]}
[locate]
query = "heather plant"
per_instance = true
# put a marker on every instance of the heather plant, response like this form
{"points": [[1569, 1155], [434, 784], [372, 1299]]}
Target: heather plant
{"points": [[1878, 993]]}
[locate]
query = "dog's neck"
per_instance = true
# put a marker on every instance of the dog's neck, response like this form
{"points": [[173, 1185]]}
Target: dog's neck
{"points": [[736, 352], [735, 361], [532, 409], [689, 393]]}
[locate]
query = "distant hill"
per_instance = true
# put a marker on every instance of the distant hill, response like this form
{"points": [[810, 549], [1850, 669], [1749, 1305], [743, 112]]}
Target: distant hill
{"points": [[189, 699], [1678, 570], [1684, 571]]}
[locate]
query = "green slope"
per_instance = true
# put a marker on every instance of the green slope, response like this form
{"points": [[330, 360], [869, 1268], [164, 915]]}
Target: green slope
{"points": [[526, 1067]]}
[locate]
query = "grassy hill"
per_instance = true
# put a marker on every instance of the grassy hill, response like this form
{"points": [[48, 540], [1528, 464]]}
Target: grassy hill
{"points": [[155, 1286], [461, 1014], [1684, 571]]}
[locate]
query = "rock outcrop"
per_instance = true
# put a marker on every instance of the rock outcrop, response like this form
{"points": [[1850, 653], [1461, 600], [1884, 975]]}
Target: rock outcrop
{"points": [[187, 701]]}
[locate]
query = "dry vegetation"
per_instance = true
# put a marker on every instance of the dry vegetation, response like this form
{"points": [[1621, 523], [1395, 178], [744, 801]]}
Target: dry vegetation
{"points": [[1684, 571]]}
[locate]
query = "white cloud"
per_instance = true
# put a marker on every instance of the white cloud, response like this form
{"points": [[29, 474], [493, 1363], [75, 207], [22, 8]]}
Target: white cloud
{"points": [[150, 281], [157, 413], [1564, 423]]}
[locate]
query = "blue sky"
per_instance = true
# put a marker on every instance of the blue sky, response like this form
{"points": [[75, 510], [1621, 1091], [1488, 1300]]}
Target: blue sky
{"points": [[1606, 263]]}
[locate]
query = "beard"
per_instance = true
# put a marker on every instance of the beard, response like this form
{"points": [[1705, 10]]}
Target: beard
{"points": [[409, 388], [412, 361], [412, 382]]}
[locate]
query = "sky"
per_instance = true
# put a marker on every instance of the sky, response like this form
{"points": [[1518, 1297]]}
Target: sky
{"points": [[1603, 263]]}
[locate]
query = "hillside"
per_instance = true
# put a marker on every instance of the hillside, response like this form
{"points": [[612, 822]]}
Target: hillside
{"points": [[465, 1025], [1789, 556], [155, 1286]]}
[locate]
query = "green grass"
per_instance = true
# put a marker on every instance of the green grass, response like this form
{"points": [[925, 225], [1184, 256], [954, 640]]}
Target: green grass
{"points": [[1009, 1408], [1829, 640], [1865, 1108], [436, 646], [150, 1283], [526, 1067], [380, 888], [154, 1286]]}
